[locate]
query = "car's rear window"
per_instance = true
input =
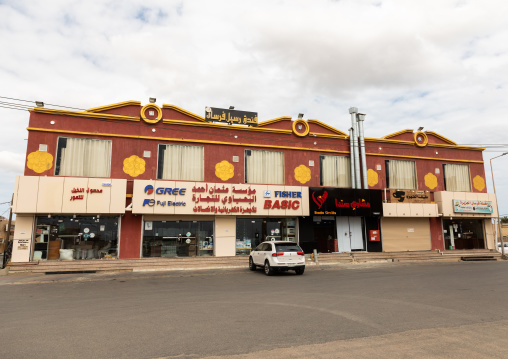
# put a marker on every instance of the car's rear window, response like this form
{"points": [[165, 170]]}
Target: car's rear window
{"points": [[287, 247]]}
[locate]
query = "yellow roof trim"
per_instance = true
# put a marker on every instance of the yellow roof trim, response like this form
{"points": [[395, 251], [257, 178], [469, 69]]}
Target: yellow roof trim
{"points": [[274, 120], [238, 144], [328, 127], [441, 137], [412, 143], [185, 112], [397, 133], [424, 158], [114, 105], [182, 140], [326, 135], [84, 114]]}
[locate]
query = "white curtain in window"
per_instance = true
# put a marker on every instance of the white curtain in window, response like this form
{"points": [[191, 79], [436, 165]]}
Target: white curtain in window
{"points": [[336, 171], [401, 174], [265, 167], [184, 163], [85, 157], [457, 178]]}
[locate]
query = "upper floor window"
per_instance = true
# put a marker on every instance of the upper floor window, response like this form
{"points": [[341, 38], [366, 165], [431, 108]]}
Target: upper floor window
{"points": [[457, 178], [335, 171], [400, 174], [181, 162], [264, 167], [83, 157]]}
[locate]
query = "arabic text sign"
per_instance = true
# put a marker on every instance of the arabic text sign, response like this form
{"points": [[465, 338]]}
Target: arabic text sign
{"points": [[326, 201], [175, 197], [231, 116], [409, 196], [460, 206]]}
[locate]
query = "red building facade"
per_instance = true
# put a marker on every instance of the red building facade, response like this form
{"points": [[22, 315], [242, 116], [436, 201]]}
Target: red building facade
{"points": [[136, 145]]}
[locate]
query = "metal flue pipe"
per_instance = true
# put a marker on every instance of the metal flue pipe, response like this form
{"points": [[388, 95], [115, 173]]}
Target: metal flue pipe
{"points": [[353, 111], [351, 157], [361, 118]]}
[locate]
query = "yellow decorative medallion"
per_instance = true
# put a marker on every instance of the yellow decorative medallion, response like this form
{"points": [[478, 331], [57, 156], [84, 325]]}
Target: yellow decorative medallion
{"points": [[224, 170], [430, 180], [151, 113], [301, 128], [39, 161], [421, 139], [372, 178], [479, 183], [302, 174], [134, 166]]}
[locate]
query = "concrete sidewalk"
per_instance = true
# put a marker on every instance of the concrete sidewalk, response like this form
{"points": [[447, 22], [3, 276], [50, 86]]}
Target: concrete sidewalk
{"points": [[237, 262]]}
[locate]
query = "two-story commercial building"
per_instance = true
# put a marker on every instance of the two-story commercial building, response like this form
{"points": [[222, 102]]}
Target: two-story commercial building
{"points": [[129, 181]]}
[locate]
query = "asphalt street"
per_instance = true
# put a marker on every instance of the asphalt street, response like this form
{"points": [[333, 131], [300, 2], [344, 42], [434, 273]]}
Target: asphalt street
{"points": [[389, 310]]}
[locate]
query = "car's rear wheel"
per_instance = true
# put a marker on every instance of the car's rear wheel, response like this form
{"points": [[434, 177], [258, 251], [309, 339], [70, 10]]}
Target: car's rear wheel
{"points": [[268, 268], [299, 271], [252, 266]]}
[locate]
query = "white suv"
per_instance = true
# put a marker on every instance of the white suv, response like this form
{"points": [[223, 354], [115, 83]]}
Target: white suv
{"points": [[278, 255]]}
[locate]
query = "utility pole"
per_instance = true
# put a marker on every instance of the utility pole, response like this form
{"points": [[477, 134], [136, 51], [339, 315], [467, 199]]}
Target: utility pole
{"points": [[7, 237], [497, 207]]}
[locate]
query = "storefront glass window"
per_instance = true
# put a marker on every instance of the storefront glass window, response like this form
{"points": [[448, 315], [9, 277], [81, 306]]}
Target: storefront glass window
{"points": [[69, 238], [177, 238], [250, 232], [463, 233]]}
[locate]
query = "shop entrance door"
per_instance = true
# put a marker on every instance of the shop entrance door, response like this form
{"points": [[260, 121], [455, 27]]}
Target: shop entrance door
{"points": [[349, 234]]}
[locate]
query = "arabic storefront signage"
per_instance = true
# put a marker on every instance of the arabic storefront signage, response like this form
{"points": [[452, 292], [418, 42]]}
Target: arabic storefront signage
{"points": [[222, 200], [345, 202], [460, 206], [76, 196], [167, 197], [409, 196], [213, 114]]}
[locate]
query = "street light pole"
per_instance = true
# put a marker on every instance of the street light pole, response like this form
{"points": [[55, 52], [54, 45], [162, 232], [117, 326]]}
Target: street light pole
{"points": [[497, 206]]}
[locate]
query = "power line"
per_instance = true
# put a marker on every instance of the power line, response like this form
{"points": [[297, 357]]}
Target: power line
{"points": [[14, 108], [14, 104], [16, 99], [49, 104]]}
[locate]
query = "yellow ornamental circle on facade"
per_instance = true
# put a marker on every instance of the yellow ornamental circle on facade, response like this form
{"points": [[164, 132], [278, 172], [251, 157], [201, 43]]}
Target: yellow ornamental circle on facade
{"points": [[479, 183], [372, 178], [39, 161], [134, 166], [224, 170], [302, 174], [430, 180]]}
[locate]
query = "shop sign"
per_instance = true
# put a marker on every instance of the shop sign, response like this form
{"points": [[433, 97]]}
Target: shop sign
{"points": [[149, 189], [23, 244], [76, 196], [241, 199], [460, 206], [409, 196], [213, 114], [345, 202], [218, 199]]}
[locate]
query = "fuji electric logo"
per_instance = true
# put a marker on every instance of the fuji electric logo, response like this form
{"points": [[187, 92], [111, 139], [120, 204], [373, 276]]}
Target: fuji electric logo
{"points": [[149, 189]]}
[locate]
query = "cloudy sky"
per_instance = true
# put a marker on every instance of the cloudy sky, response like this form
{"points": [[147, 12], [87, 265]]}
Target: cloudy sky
{"points": [[437, 63]]}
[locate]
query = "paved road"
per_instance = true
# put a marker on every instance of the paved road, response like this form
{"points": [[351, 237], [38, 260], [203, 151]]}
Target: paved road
{"points": [[441, 310]]}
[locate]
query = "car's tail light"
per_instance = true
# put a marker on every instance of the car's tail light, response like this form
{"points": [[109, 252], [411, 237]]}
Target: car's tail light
{"points": [[300, 253], [277, 254]]}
